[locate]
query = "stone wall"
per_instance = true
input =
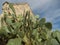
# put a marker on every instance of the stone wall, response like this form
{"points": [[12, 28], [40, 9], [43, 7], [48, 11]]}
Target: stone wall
{"points": [[20, 8]]}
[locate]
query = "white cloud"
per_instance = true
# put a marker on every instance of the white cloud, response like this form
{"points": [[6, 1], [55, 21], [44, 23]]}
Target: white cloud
{"points": [[53, 15], [37, 3]]}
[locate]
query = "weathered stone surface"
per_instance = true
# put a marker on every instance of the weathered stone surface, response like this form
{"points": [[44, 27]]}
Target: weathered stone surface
{"points": [[20, 9]]}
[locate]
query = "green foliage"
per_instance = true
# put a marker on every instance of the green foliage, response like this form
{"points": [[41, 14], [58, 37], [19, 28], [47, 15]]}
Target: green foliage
{"points": [[48, 25], [56, 35], [16, 41], [52, 42], [26, 31], [11, 6]]}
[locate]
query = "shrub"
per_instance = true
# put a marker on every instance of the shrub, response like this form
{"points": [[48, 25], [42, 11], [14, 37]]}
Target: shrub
{"points": [[23, 30]]}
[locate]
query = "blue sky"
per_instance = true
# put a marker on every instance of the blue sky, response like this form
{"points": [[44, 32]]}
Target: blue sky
{"points": [[50, 9]]}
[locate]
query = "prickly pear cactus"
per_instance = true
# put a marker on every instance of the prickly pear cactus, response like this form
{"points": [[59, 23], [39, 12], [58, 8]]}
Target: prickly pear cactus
{"points": [[27, 31]]}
